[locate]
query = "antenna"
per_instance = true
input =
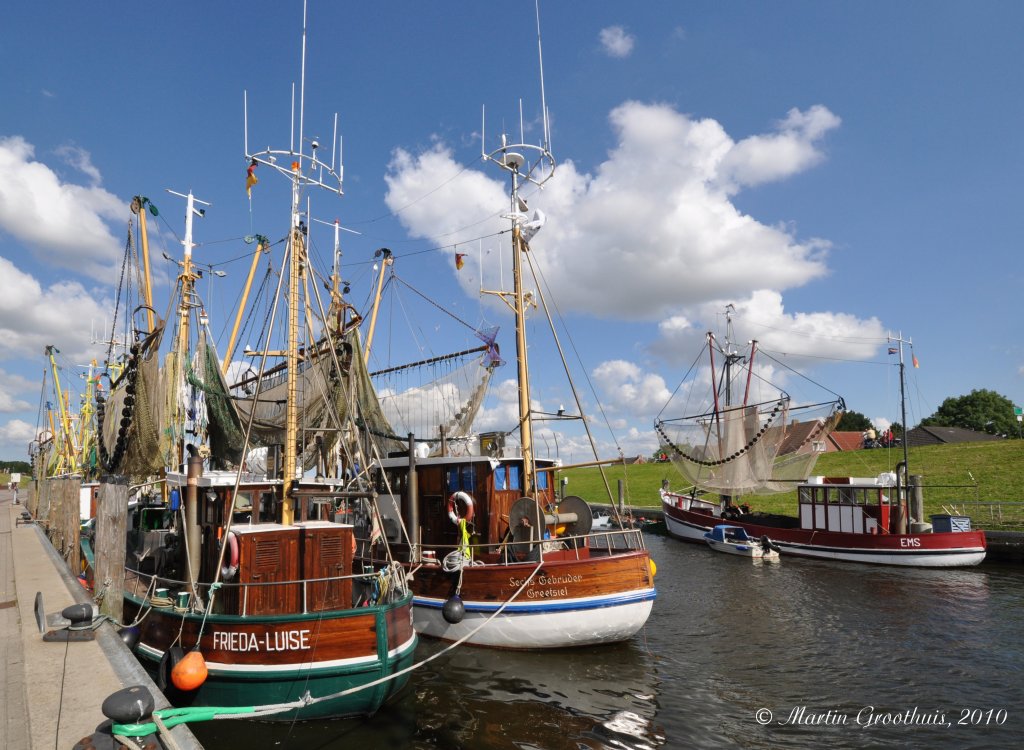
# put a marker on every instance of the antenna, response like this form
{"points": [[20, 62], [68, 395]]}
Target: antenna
{"points": [[511, 157], [302, 79], [190, 211], [543, 102], [294, 165]]}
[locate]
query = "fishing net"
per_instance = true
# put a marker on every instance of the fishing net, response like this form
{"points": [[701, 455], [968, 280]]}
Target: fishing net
{"points": [[448, 402], [326, 400], [133, 413], [754, 449]]}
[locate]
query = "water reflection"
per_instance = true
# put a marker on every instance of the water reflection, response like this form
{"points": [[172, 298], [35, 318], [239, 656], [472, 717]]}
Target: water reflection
{"points": [[725, 639], [601, 697]]}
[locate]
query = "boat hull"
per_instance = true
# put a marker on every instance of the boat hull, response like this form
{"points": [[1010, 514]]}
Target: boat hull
{"points": [[568, 602], [930, 550], [260, 661], [749, 551]]}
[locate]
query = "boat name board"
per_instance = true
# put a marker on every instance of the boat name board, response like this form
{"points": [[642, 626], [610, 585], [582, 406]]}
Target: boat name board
{"points": [[286, 640], [911, 542], [534, 592]]}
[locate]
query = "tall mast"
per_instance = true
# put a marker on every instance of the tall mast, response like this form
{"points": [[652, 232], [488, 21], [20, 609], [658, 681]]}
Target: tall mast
{"points": [[187, 280], [386, 261], [523, 370], [296, 263], [139, 204], [903, 396], [262, 246], [524, 162], [303, 171], [66, 441]]}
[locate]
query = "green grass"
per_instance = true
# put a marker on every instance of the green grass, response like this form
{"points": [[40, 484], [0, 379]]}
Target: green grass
{"points": [[997, 468]]}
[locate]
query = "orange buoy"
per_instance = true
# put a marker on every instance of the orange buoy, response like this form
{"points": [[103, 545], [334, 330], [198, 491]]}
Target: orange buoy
{"points": [[190, 672]]}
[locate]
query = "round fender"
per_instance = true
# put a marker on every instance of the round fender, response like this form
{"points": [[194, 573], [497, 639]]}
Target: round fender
{"points": [[168, 662], [453, 507], [453, 610], [230, 568], [189, 673]]}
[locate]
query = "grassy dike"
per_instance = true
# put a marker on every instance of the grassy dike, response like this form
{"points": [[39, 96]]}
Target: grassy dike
{"points": [[997, 468]]}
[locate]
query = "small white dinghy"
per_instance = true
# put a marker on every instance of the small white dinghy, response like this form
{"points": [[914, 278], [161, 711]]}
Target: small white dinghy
{"points": [[733, 540]]}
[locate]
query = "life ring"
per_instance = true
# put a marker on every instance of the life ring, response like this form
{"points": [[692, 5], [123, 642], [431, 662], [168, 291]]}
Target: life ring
{"points": [[229, 569], [453, 507]]}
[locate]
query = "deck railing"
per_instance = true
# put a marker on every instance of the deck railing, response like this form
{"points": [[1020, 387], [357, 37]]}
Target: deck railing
{"points": [[994, 515], [146, 584]]}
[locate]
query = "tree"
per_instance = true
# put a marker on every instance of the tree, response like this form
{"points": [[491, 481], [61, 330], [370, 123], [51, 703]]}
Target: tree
{"points": [[980, 410], [853, 421]]}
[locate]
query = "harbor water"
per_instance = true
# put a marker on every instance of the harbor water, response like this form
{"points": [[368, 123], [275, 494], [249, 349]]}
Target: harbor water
{"points": [[794, 654]]}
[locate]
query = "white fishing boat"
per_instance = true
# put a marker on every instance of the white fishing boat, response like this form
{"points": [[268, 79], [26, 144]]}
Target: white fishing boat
{"points": [[496, 557], [733, 540]]}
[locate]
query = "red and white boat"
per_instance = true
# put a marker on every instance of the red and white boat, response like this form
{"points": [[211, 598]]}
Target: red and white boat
{"points": [[849, 519], [757, 446]]}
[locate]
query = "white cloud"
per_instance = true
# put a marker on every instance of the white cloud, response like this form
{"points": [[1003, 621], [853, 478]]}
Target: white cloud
{"points": [[764, 158], [804, 338], [33, 317], [627, 389], [15, 437], [61, 223], [12, 387], [81, 160], [616, 42], [501, 410], [653, 225]]}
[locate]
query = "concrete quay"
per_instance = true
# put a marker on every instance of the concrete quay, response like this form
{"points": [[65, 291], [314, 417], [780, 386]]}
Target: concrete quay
{"points": [[51, 693]]}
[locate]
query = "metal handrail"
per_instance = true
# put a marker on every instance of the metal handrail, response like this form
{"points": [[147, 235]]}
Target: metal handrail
{"points": [[633, 535], [155, 581]]}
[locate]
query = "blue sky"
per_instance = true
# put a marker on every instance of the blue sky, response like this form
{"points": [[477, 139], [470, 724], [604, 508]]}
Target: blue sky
{"points": [[836, 171]]}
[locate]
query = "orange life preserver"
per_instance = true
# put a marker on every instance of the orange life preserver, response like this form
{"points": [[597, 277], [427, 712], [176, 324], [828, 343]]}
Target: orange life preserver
{"points": [[453, 507]]}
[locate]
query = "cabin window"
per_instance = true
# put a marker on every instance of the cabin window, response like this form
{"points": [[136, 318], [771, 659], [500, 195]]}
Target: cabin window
{"points": [[542, 480], [395, 485], [267, 508], [507, 477], [461, 478]]}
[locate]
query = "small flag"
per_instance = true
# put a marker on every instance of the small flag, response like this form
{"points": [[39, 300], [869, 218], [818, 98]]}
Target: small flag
{"points": [[250, 178], [914, 359], [376, 532], [892, 350], [459, 262]]}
